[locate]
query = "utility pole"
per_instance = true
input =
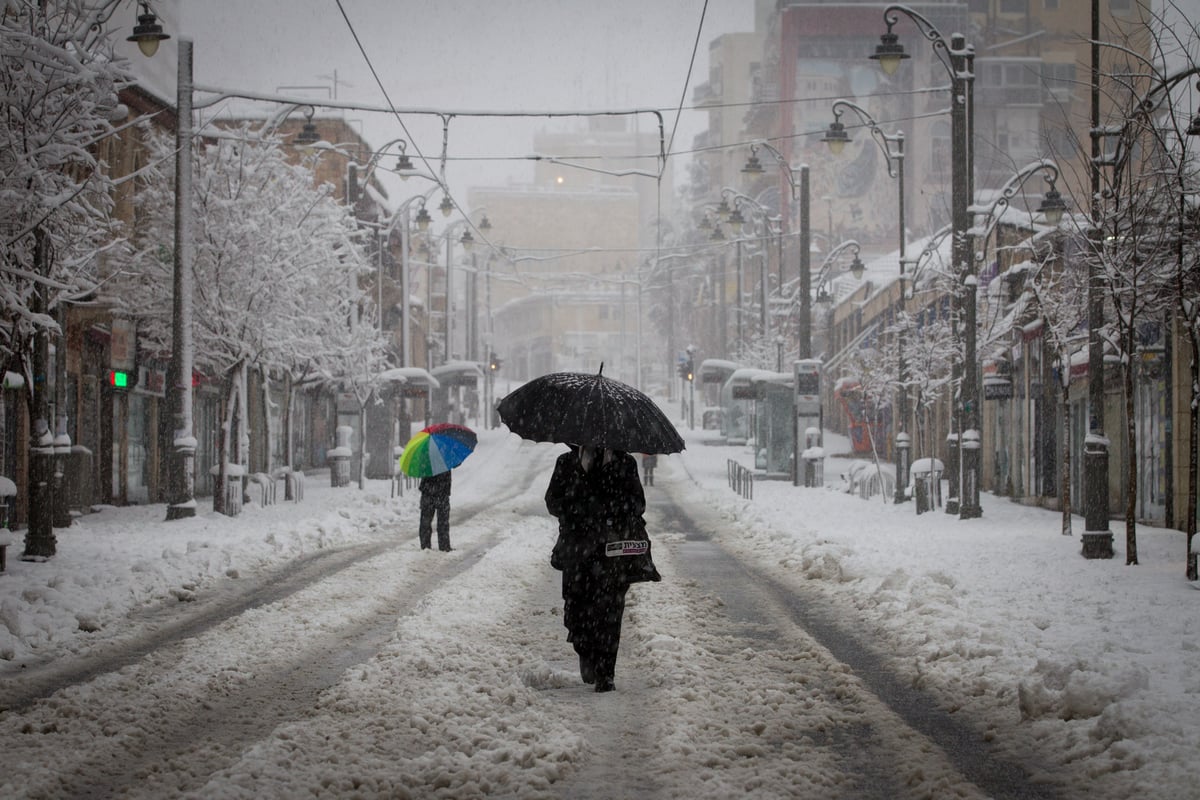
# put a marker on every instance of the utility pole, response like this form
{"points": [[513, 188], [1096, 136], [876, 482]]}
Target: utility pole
{"points": [[1097, 538]]}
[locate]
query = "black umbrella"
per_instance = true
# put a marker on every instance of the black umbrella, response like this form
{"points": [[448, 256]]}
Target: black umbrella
{"points": [[583, 409]]}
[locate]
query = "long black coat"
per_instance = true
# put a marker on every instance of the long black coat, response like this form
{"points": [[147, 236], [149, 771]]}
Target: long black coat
{"points": [[594, 506]]}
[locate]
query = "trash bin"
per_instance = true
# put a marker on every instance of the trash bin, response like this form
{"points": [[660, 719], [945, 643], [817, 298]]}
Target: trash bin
{"points": [[927, 483], [339, 458]]}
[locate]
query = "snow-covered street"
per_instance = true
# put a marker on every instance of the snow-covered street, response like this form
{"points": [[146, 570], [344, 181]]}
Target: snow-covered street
{"points": [[312, 649]]}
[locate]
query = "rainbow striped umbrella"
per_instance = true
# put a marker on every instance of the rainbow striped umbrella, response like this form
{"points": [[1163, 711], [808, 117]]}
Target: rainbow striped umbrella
{"points": [[437, 449]]}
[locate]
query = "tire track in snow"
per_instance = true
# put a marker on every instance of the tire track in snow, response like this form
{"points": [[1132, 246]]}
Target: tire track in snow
{"points": [[953, 740], [182, 703]]}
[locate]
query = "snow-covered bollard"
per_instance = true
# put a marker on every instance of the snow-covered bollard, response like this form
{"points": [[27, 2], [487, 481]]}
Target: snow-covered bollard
{"points": [[814, 466], [397, 473], [927, 483], [813, 458], [339, 458], [8, 490], [234, 488]]}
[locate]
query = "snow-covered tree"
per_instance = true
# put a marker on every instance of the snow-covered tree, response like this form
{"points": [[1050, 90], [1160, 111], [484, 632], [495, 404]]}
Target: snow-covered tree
{"points": [[1143, 257], [277, 266], [932, 346], [930, 351], [1056, 290], [1166, 130], [58, 95], [875, 371], [362, 357]]}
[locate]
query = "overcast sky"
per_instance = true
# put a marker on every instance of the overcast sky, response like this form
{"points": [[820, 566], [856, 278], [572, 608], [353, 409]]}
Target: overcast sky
{"points": [[470, 55], [505, 55]]}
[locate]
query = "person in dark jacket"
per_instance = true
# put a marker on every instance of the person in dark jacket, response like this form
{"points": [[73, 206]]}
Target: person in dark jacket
{"points": [[649, 462], [598, 499], [435, 499]]}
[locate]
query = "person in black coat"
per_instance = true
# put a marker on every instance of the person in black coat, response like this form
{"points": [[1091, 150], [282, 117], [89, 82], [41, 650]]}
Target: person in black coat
{"points": [[598, 499], [435, 499]]}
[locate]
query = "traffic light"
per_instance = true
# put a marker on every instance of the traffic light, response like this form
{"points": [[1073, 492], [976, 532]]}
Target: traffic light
{"points": [[690, 373], [494, 362], [683, 370]]}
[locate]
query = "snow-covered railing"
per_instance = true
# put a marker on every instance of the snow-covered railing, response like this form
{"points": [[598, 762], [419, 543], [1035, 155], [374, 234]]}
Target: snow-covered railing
{"points": [[266, 485], [741, 480]]}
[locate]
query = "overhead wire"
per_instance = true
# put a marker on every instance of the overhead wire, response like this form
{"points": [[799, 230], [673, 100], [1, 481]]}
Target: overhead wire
{"points": [[686, 82], [387, 97]]}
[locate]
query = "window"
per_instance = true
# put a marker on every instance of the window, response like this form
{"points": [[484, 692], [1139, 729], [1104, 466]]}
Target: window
{"points": [[1058, 81], [1014, 6], [1122, 7]]}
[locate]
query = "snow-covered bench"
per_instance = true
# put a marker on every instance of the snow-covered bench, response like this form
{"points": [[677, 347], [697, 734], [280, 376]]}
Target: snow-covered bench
{"points": [[266, 485], [293, 483]]}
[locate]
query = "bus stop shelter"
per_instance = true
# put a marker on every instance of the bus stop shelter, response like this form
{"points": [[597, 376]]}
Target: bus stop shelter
{"points": [[457, 399], [775, 428]]}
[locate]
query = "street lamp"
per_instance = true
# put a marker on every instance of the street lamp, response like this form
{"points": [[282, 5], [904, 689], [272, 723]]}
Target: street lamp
{"points": [[384, 230], [824, 275], [1052, 207], [958, 58], [181, 477], [404, 167], [473, 350], [147, 33], [736, 218], [893, 152], [799, 192], [825, 272], [467, 240], [308, 135], [401, 218]]}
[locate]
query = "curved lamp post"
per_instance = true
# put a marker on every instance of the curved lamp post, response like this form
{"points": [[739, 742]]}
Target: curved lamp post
{"points": [[799, 192], [825, 272], [734, 217], [892, 146], [958, 58], [404, 166], [1052, 206], [467, 240], [402, 218]]}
